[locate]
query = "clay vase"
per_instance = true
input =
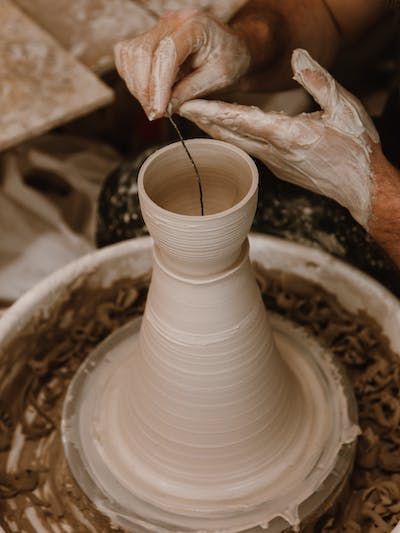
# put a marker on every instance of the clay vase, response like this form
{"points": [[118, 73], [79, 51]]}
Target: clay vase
{"points": [[211, 384], [204, 422]]}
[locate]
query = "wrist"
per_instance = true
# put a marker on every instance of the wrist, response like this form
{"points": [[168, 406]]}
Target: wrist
{"points": [[384, 221]]}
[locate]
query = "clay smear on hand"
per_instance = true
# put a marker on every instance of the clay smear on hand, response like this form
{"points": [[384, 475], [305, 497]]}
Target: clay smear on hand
{"points": [[327, 152]]}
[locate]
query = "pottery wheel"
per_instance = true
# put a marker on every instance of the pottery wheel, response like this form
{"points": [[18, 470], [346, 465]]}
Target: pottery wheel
{"points": [[37, 489], [168, 469], [302, 354]]}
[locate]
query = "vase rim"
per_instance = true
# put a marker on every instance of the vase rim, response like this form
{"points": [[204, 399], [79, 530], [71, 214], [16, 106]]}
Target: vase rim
{"points": [[196, 218]]}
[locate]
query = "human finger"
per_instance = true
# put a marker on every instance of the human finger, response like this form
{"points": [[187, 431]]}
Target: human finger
{"points": [[265, 152], [342, 109], [206, 79], [134, 57], [275, 128], [252, 147], [315, 79], [170, 54]]}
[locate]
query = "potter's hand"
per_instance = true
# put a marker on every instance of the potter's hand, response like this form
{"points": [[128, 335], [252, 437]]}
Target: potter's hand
{"points": [[186, 55], [328, 152]]}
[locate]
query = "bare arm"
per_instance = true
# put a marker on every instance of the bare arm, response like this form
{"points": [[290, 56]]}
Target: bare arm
{"points": [[384, 222], [335, 152], [190, 54], [273, 28]]}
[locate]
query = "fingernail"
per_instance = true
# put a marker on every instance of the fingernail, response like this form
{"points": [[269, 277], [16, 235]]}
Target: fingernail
{"points": [[302, 60]]}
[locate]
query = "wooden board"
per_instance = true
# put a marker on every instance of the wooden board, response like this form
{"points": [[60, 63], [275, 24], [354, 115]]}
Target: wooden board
{"points": [[41, 85], [88, 29]]}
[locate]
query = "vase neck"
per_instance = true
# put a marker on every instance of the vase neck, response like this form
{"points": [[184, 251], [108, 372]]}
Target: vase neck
{"points": [[190, 243], [202, 270]]}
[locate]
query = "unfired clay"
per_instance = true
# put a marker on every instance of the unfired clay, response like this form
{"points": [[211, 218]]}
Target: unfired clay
{"points": [[338, 139], [200, 419]]}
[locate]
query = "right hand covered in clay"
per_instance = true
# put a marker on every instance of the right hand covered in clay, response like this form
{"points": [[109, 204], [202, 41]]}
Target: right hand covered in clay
{"points": [[186, 55], [328, 152], [334, 152]]}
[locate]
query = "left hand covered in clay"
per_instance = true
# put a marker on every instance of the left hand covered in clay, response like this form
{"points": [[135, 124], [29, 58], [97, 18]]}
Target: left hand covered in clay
{"points": [[185, 55], [328, 152]]}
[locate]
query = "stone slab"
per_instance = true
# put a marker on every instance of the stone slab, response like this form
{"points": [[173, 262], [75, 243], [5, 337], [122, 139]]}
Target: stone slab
{"points": [[42, 86], [88, 29]]}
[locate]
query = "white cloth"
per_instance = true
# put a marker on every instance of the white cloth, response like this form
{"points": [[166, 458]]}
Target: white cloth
{"points": [[48, 193]]}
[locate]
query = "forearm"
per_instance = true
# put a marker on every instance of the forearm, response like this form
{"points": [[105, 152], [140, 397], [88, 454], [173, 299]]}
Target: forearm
{"points": [[273, 28], [384, 223]]}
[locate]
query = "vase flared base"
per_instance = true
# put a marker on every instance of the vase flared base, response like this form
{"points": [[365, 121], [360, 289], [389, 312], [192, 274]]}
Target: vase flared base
{"points": [[135, 513]]}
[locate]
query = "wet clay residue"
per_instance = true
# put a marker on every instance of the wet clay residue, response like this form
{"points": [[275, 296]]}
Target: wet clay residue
{"points": [[37, 491], [372, 501]]}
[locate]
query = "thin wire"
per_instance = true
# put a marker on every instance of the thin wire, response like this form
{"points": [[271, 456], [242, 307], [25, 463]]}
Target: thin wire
{"points": [[178, 131]]}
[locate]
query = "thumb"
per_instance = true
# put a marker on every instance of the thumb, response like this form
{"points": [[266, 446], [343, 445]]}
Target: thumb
{"points": [[315, 80], [208, 78], [343, 110]]}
